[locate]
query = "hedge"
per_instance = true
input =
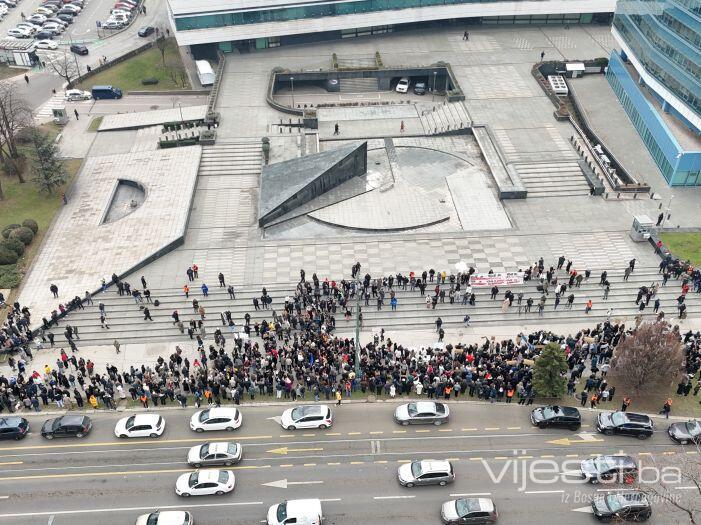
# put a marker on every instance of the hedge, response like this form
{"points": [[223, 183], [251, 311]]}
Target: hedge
{"points": [[8, 229], [10, 276], [14, 245], [22, 233], [31, 224], [8, 256]]}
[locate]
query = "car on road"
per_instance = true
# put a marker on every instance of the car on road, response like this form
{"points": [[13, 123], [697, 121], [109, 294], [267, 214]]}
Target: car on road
{"points": [[469, 510], [215, 454], [420, 88], [422, 412], [297, 511], [615, 468], [70, 425], [686, 432], [79, 49], [622, 506], [219, 418], [205, 483], [77, 94], [13, 427], [46, 44], [146, 31], [556, 416], [140, 425], [167, 517], [307, 416], [402, 85], [625, 424], [426, 473]]}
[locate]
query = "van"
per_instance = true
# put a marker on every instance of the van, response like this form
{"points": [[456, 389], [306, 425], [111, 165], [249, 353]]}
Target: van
{"points": [[205, 72], [99, 92], [297, 511]]}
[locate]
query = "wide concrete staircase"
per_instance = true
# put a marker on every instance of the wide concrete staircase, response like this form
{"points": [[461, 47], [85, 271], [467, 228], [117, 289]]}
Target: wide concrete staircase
{"points": [[358, 85], [231, 158], [552, 178], [445, 119], [127, 324]]}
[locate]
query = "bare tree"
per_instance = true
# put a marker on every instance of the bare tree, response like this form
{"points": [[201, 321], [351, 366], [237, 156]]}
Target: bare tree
{"points": [[15, 115], [678, 483], [65, 67], [651, 355], [162, 45]]}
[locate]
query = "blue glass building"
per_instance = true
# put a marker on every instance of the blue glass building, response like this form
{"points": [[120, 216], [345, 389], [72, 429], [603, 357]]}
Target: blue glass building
{"points": [[660, 53]]}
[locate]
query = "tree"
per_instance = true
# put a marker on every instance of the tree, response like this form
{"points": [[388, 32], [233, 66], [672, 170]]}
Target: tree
{"points": [[48, 167], [684, 468], [15, 116], [65, 67], [162, 45], [651, 355], [549, 371]]}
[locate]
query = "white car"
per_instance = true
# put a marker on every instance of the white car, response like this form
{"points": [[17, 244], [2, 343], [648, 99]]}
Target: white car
{"points": [[72, 7], [77, 94], [120, 12], [301, 511], [18, 32], [307, 416], [37, 18], [46, 44], [52, 28], [112, 24], [402, 85], [32, 28], [44, 11], [214, 454], [205, 483], [220, 418], [167, 517], [140, 425]]}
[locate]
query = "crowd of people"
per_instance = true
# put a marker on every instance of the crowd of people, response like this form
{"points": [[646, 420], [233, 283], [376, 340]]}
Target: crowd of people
{"points": [[295, 354]]}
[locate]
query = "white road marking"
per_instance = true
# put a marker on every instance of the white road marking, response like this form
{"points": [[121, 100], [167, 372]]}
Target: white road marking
{"points": [[587, 510], [544, 491], [327, 500], [393, 497], [4, 497], [613, 490], [690, 487], [130, 509], [470, 494], [283, 483]]}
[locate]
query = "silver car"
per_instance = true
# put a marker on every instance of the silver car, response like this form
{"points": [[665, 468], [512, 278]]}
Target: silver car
{"points": [[219, 453], [469, 510], [426, 473], [422, 412]]}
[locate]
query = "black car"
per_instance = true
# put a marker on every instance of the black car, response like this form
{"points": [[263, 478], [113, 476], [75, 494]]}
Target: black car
{"points": [[13, 427], [68, 12], [43, 35], [684, 433], [556, 416], [625, 423], [420, 88], [66, 18], [79, 49], [626, 506], [611, 469], [146, 30], [69, 425]]}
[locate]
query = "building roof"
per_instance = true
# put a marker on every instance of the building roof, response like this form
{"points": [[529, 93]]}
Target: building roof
{"points": [[187, 7], [12, 44]]}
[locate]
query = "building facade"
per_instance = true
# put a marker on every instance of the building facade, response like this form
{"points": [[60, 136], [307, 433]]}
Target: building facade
{"points": [[657, 77], [270, 23]]}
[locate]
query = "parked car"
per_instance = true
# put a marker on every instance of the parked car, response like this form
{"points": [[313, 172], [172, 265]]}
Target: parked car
{"points": [[99, 92], [422, 412], [9, 3], [36, 17], [44, 35], [13, 427], [298, 511], [68, 19], [426, 473], [112, 24], [70, 425], [52, 28], [205, 483], [685, 433], [64, 11], [77, 94], [123, 6], [307, 416], [218, 418], [45, 10], [146, 31], [71, 7], [622, 506], [58, 21], [617, 468], [166, 517], [18, 32], [556, 416], [140, 425], [79, 49], [214, 454], [402, 85], [32, 28], [625, 423], [46, 44], [469, 510], [420, 88]]}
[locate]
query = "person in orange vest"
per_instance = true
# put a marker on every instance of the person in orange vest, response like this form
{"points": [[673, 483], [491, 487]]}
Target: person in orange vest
{"points": [[587, 309], [667, 408], [195, 269], [186, 289], [448, 390], [509, 394], [592, 401], [625, 404]]}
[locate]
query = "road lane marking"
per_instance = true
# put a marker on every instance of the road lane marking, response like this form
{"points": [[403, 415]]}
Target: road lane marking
{"points": [[475, 459], [4, 497], [137, 442], [399, 432], [12, 463], [357, 462], [354, 433], [381, 462], [513, 428], [286, 465], [445, 430], [130, 509], [120, 473], [309, 465], [376, 433], [468, 429], [690, 487], [421, 431], [327, 500], [501, 457], [492, 428], [393, 497], [332, 434], [333, 464], [524, 457], [283, 483], [285, 450], [308, 435], [466, 494], [544, 491]]}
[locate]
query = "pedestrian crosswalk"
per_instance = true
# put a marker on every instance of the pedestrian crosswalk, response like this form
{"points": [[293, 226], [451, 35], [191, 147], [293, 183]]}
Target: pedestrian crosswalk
{"points": [[44, 112]]}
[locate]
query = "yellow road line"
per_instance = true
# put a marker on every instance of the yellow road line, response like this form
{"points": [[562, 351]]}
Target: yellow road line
{"points": [[197, 439], [118, 473], [12, 463], [492, 428], [399, 432], [382, 462], [357, 462], [287, 465], [547, 456], [513, 428], [468, 429], [333, 463], [501, 457], [421, 431], [354, 433], [445, 430], [332, 434], [572, 455], [376, 432], [525, 457], [475, 459], [309, 465]]}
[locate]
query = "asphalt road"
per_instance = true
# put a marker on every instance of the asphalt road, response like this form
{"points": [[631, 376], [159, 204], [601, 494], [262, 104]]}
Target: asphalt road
{"points": [[352, 467]]}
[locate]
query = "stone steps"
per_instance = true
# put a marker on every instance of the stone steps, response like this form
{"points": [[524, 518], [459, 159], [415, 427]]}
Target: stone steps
{"points": [[127, 324], [552, 179], [445, 118], [358, 85]]}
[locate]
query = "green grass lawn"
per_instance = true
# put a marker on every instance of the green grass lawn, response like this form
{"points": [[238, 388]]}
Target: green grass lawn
{"points": [[128, 75], [95, 124], [684, 245]]}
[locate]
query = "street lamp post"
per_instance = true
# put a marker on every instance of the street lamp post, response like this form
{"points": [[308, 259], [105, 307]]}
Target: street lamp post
{"points": [[182, 120], [433, 92], [292, 81], [667, 213]]}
